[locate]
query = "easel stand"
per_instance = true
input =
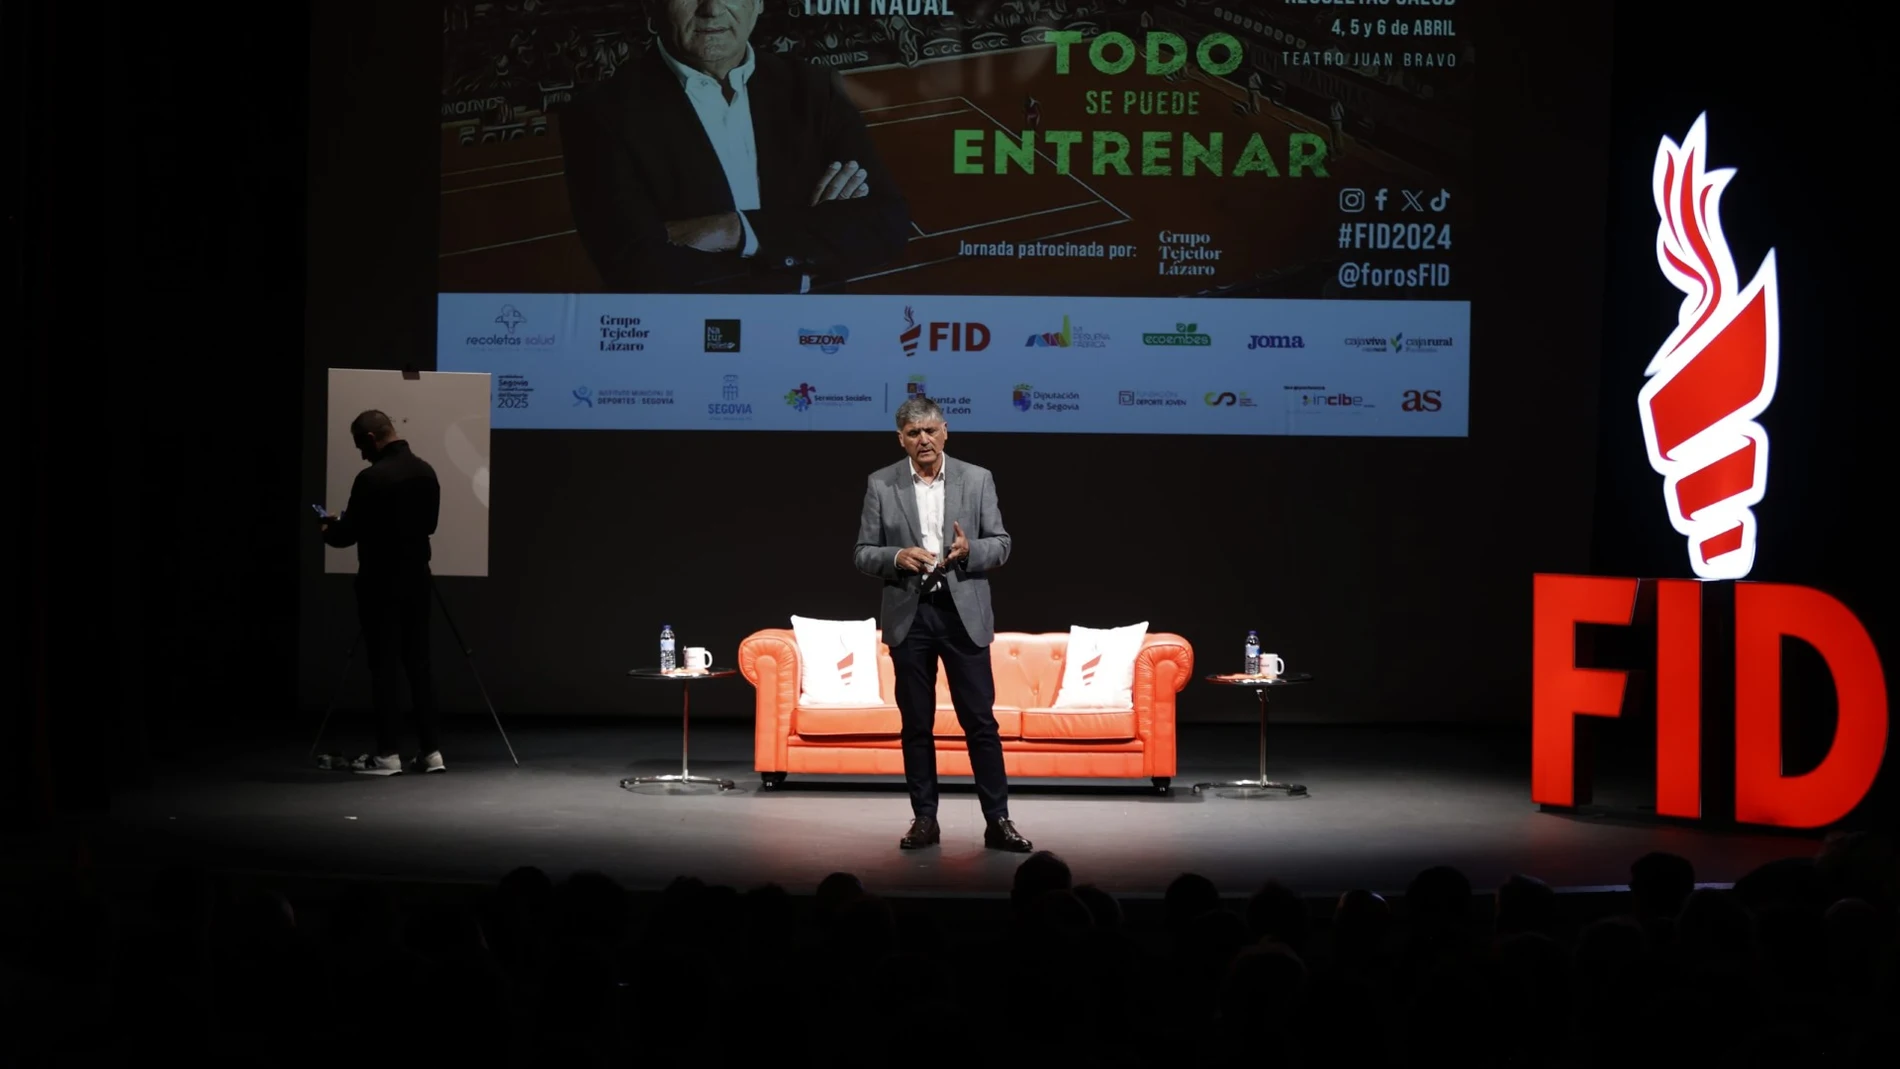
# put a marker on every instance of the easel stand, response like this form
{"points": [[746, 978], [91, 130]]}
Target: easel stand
{"points": [[468, 655]]}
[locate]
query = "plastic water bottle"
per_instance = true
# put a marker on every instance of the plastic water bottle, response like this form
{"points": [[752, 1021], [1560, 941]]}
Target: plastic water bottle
{"points": [[1253, 653], [667, 662]]}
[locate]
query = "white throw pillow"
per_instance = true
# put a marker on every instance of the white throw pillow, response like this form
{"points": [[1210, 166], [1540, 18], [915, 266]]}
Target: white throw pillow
{"points": [[1098, 671], [837, 662]]}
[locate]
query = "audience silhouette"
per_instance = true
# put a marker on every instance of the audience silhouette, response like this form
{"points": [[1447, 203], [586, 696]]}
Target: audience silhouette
{"points": [[1794, 965]]}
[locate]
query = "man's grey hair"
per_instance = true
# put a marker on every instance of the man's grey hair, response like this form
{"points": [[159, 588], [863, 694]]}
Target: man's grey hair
{"points": [[917, 410]]}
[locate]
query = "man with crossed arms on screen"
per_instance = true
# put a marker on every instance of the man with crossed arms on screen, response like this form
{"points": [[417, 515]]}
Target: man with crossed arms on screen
{"points": [[931, 530], [708, 166]]}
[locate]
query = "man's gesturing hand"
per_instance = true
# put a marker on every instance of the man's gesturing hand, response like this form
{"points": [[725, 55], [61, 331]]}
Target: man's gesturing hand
{"points": [[708, 233], [916, 559], [960, 548], [842, 181]]}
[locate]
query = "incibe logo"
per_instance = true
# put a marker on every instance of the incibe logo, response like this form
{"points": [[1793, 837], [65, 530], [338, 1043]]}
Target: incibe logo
{"points": [[510, 335]]}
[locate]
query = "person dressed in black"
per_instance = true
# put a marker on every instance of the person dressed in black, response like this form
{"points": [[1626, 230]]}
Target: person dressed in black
{"points": [[392, 512]]}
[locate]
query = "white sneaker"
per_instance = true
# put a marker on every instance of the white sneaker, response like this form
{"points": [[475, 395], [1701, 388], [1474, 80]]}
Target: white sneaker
{"points": [[371, 765], [432, 762]]}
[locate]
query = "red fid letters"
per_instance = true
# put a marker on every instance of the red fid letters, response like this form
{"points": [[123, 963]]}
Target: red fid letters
{"points": [[1764, 614]]}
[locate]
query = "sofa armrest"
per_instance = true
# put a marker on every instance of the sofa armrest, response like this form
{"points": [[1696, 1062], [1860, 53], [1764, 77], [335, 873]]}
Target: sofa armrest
{"points": [[769, 661], [1162, 670]]}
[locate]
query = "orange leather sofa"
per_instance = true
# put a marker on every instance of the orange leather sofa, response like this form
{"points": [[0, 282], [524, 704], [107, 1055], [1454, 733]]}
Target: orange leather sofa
{"points": [[1038, 741]]}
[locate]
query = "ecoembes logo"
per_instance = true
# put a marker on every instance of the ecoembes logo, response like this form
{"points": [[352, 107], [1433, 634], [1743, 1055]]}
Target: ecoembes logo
{"points": [[511, 336], [1184, 334]]}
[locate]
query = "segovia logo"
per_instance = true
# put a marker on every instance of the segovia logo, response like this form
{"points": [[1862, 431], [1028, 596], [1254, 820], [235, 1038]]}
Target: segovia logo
{"points": [[826, 341], [1184, 334], [1022, 397], [729, 404], [1276, 341]]}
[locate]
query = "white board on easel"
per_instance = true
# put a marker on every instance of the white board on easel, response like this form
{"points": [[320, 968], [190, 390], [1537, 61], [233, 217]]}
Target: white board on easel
{"points": [[444, 418]]}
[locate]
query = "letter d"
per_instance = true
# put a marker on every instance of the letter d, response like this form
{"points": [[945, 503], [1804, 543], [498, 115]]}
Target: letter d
{"points": [[1157, 65], [1764, 794], [976, 337]]}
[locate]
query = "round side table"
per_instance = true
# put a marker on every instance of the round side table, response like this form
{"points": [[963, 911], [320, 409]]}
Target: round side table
{"points": [[686, 681], [1260, 686]]}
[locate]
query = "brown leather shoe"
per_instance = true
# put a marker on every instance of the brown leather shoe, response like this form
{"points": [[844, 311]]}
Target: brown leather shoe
{"points": [[923, 832], [1002, 835]]}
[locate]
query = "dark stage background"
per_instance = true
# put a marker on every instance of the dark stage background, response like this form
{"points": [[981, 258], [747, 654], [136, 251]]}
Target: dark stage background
{"points": [[173, 595], [1397, 571]]}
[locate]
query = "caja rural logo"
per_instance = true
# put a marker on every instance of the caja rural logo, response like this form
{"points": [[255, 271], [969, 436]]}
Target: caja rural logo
{"points": [[1713, 375]]}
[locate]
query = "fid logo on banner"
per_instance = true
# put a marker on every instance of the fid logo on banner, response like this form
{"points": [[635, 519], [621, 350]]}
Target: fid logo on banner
{"points": [[1716, 371]]}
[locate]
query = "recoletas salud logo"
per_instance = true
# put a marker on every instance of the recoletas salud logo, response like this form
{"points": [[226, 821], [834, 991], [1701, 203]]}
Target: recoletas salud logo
{"points": [[1183, 334], [510, 335]]}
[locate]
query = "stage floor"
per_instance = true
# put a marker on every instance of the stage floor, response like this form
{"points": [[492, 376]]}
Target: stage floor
{"points": [[1384, 804]]}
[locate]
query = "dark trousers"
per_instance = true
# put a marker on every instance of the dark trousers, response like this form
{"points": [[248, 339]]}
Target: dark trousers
{"points": [[938, 632], [394, 609]]}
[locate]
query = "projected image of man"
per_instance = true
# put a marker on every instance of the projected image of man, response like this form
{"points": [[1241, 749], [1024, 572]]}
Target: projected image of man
{"points": [[930, 528], [707, 165], [393, 508]]}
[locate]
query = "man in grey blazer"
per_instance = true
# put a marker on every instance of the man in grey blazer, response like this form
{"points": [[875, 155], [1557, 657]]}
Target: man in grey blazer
{"points": [[931, 530]]}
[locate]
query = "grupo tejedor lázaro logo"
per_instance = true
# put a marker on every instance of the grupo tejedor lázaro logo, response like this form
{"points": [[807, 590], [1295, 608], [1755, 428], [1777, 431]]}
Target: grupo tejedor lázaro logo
{"points": [[510, 333], [826, 340]]}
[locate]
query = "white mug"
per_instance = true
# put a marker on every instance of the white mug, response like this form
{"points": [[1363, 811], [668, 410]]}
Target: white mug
{"points": [[697, 657], [1272, 666]]}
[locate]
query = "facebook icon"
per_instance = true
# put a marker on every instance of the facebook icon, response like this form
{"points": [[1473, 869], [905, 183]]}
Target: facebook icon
{"points": [[1379, 199]]}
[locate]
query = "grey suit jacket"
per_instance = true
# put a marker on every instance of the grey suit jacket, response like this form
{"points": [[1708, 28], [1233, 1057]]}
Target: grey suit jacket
{"points": [[889, 523]]}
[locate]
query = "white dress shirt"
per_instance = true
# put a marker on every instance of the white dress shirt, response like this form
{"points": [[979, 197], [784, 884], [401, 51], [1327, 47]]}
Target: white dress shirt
{"points": [[930, 512], [729, 126]]}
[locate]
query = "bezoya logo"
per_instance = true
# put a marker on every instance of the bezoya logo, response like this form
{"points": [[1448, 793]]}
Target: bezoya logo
{"points": [[1715, 372], [511, 336], [828, 340], [1276, 341], [937, 336]]}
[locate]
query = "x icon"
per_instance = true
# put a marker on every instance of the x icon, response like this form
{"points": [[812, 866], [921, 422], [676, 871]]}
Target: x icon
{"points": [[1411, 201]]}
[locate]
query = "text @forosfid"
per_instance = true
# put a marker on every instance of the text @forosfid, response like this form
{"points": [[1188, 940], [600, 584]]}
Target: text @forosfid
{"points": [[1367, 276]]}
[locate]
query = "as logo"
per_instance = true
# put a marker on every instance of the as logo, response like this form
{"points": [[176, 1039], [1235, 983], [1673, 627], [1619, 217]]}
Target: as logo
{"points": [[1421, 401]]}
